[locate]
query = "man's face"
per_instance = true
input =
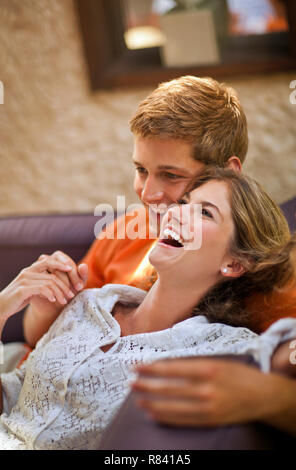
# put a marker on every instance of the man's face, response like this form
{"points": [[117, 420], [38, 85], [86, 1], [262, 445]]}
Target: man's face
{"points": [[163, 169]]}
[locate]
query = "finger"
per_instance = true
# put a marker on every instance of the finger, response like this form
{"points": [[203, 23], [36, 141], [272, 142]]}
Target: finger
{"points": [[50, 265], [58, 289], [175, 412], [196, 368], [172, 388], [41, 257], [28, 292], [65, 279], [83, 272], [54, 280], [75, 279], [57, 293], [73, 274]]}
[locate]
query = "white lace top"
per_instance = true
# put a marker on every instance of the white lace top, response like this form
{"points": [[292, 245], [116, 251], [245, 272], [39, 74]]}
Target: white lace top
{"points": [[68, 390]]}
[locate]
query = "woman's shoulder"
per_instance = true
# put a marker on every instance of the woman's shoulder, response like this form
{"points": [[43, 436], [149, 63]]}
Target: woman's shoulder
{"points": [[200, 329]]}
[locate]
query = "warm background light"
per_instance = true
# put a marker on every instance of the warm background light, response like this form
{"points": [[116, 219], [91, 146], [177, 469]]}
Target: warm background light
{"points": [[141, 37]]}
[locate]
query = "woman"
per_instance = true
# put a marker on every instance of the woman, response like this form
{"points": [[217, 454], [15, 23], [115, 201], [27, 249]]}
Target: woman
{"points": [[68, 390]]}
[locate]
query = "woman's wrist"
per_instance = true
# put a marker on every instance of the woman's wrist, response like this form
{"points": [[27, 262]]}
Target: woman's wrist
{"points": [[3, 307]]}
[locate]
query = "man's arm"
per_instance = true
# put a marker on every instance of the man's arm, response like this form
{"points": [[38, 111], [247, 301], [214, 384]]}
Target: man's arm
{"points": [[284, 359]]}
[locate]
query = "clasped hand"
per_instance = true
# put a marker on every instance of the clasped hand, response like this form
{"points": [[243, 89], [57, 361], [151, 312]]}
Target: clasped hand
{"points": [[51, 280]]}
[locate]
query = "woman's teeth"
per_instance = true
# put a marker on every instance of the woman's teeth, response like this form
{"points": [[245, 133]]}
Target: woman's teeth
{"points": [[172, 238]]}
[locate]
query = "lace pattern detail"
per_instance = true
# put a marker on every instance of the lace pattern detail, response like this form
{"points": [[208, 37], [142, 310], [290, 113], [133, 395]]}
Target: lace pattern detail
{"points": [[68, 390]]}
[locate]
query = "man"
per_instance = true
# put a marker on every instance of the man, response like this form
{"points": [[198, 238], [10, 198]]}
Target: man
{"points": [[180, 128]]}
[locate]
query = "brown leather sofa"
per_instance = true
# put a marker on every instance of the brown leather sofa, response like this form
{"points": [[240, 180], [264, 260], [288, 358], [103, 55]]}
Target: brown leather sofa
{"points": [[22, 240]]}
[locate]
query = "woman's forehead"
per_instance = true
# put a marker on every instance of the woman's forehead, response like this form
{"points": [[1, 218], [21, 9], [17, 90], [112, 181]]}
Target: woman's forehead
{"points": [[215, 192]]}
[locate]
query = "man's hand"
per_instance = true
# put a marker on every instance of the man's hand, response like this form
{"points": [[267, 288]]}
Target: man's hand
{"points": [[214, 392]]}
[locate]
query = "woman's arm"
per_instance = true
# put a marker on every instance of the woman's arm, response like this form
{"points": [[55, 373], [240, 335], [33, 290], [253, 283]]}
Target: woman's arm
{"points": [[36, 281]]}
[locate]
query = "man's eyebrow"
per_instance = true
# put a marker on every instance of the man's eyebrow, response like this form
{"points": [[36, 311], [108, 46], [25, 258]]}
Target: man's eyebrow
{"points": [[166, 167], [170, 167]]}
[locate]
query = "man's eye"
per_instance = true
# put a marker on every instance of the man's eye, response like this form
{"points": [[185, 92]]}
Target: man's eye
{"points": [[141, 170], [206, 213], [182, 201], [172, 176]]}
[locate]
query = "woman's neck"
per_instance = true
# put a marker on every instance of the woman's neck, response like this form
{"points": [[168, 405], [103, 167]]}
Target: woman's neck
{"points": [[164, 305]]}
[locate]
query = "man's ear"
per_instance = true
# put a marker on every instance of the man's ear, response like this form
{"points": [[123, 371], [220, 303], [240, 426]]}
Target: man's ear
{"points": [[233, 269], [234, 163]]}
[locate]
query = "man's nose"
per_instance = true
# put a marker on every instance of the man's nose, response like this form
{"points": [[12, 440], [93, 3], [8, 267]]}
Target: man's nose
{"points": [[151, 192]]}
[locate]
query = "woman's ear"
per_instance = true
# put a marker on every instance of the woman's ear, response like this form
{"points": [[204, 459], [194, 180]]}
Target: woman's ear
{"points": [[233, 269]]}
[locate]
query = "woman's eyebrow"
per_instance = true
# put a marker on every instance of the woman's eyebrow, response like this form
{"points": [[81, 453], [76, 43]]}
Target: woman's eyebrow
{"points": [[210, 204], [207, 203]]}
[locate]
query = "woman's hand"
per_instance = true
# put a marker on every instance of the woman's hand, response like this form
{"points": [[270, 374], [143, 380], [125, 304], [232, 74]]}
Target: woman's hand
{"points": [[40, 282]]}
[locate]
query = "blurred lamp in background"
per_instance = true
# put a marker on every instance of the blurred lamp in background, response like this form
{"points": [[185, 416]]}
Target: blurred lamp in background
{"points": [[141, 37]]}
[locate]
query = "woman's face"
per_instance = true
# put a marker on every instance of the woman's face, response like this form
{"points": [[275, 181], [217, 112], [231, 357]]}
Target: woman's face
{"points": [[204, 242]]}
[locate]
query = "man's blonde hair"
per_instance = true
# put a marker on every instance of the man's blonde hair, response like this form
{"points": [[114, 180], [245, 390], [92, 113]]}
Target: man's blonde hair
{"points": [[200, 111]]}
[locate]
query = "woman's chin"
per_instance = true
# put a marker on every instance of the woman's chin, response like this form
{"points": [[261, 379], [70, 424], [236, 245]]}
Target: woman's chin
{"points": [[164, 256]]}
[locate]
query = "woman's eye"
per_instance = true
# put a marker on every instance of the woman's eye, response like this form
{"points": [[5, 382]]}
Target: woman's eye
{"points": [[206, 213]]}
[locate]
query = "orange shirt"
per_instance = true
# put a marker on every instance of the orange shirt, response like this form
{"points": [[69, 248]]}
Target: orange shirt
{"points": [[115, 261], [119, 261]]}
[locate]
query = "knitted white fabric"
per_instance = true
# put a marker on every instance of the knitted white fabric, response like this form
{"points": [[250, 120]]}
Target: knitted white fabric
{"points": [[68, 390]]}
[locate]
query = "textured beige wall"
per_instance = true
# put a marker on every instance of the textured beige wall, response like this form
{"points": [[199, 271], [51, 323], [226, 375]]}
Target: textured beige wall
{"points": [[63, 149]]}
